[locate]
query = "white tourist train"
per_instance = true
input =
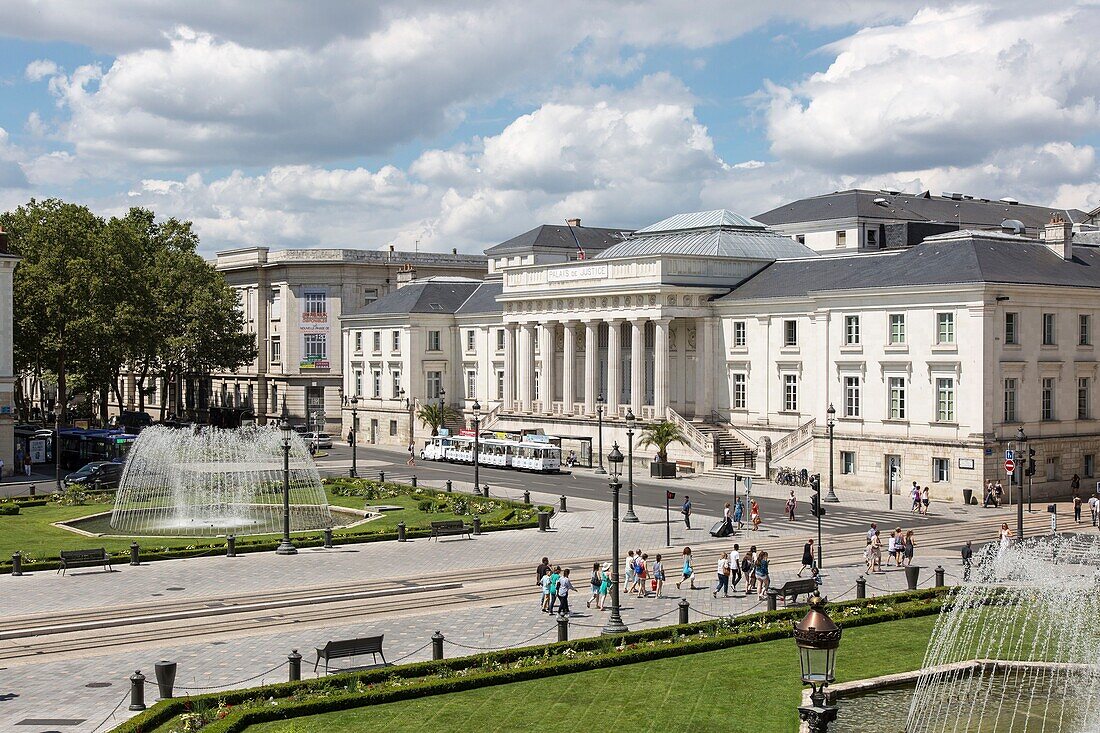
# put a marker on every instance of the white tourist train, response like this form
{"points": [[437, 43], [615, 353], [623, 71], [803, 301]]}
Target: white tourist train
{"points": [[537, 454]]}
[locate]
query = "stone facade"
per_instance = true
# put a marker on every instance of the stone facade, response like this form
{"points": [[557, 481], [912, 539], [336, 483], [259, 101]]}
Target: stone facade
{"points": [[7, 378]]}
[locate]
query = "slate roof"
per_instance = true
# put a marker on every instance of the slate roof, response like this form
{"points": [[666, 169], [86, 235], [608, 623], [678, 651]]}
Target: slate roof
{"points": [[967, 212], [946, 259], [701, 220], [432, 295], [553, 236], [484, 299]]}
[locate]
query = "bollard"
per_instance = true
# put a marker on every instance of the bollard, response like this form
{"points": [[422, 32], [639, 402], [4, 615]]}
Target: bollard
{"points": [[486, 490], [437, 645], [477, 525], [17, 563], [544, 521], [683, 605], [166, 678], [563, 627], [32, 492], [414, 481], [527, 497], [939, 576], [328, 538], [561, 504], [381, 477], [231, 545], [911, 573], [861, 587], [400, 531], [295, 661], [135, 552], [137, 691], [773, 594], [449, 489]]}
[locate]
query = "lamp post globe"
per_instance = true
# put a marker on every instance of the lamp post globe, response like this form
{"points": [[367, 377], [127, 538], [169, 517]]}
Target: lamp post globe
{"points": [[818, 639], [286, 547], [631, 423], [477, 446], [599, 430], [615, 623], [831, 424], [354, 434]]}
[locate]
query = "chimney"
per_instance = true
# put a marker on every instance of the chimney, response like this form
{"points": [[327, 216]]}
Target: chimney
{"points": [[573, 222], [405, 275], [1058, 236], [391, 248], [454, 250], [3, 242]]}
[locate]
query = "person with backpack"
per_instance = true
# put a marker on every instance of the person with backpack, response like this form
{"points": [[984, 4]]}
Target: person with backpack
{"points": [[555, 578], [658, 577], [686, 511], [545, 583], [594, 583], [688, 572], [739, 514], [723, 576], [541, 570], [642, 575], [748, 567]]}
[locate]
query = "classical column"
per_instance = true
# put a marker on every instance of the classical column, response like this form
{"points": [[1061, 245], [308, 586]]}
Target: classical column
{"points": [[702, 356], [637, 366], [568, 363], [614, 366], [509, 366], [660, 368], [591, 365], [546, 352], [526, 361]]}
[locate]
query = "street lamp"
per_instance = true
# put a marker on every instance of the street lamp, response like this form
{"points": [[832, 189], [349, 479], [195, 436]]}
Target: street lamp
{"points": [[599, 417], [442, 396], [831, 423], [818, 639], [286, 547], [615, 623], [630, 516], [59, 414], [354, 432], [477, 447], [409, 407], [1021, 436]]}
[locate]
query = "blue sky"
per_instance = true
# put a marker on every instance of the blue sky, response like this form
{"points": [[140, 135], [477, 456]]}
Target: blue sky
{"points": [[462, 125]]}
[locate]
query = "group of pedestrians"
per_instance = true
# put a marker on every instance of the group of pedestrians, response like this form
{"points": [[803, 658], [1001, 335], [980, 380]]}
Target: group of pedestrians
{"points": [[899, 548], [993, 495], [556, 587], [1094, 509], [921, 499], [753, 567], [644, 578], [733, 515]]}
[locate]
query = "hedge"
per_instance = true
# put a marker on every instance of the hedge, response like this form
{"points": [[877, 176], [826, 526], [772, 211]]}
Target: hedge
{"points": [[480, 670]]}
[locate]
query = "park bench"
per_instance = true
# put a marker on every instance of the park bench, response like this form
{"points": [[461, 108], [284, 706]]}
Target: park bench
{"points": [[794, 588], [450, 527], [351, 648], [73, 558]]}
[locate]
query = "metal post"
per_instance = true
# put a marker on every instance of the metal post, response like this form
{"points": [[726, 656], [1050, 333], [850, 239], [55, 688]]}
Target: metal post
{"points": [[1019, 513], [437, 646], [668, 520], [32, 492], [137, 691], [414, 481], [354, 435], [400, 531], [57, 446], [477, 525], [630, 516], [615, 623], [773, 595], [166, 678], [231, 545], [831, 498], [563, 627], [861, 587], [485, 489], [599, 418], [477, 451], [135, 550], [328, 538], [561, 503], [295, 662], [17, 563], [939, 576], [381, 477], [526, 497], [449, 487], [682, 607], [286, 547]]}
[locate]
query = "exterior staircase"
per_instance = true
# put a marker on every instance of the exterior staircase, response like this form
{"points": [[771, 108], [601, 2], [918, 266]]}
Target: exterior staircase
{"points": [[732, 456]]}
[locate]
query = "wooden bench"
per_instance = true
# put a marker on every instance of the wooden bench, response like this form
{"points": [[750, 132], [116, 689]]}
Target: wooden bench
{"points": [[794, 588], [350, 648], [685, 466], [450, 527], [73, 558]]}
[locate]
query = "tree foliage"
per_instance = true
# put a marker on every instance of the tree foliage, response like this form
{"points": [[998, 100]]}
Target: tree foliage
{"points": [[435, 415], [661, 435]]}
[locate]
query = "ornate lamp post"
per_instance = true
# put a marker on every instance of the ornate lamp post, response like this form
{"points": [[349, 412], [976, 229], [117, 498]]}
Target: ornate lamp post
{"points": [[630, 516], [286, 547], [831, 424], [408, 406], [599, 417], [615, 623], [1021, 436], [477, 447], [59, 415], [354, 433], [817, 638], [442, 399]]}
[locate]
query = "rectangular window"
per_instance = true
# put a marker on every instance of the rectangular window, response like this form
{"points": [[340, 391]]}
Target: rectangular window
{"points": [[851, 397], [800, 238], [847, 461], [471, 337], [851, 330], [315, 303], [376, 384], [393, 427], [370, 295], [275, 304], [790, 392], [395, 384], [1084, 330], [1083, 412], [842, 238], [790, 333], [1048, 329], [358, 384], [276, 350], [434, 383], [273, 406], [897, 328], [376, 341], [739, 400], [1010, 400], [739, 334], [471, 384], [433, 341], [945, 328], [1089, 467], [396, 345], [1047, 398], [358, 342], [535, 381], [897, 398], [500, 339], [945, 399], [500, 385], [1012, 322], [316, 346], [941, 469], [872, 238]]}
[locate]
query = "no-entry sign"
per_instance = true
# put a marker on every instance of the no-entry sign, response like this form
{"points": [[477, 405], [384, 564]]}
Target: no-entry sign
{"points": [[1010, 466]]}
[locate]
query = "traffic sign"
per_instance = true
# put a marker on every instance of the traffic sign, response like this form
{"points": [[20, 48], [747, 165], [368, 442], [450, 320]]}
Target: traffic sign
{"points": [[1010, 466], [1010, 455]]}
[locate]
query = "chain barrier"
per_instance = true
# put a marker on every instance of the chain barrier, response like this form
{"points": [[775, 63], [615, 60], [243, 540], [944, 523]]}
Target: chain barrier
{"points": [[414, 652], [223, 684], [120, 703], [503, 646]]}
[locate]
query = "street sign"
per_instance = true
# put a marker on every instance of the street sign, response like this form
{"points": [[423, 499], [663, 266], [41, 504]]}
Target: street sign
{"points": [[1010, 466], [748, 483], [1010, 455]]}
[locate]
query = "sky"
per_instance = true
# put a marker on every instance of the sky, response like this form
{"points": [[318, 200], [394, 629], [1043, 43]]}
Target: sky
{"points": [[436, 125]]}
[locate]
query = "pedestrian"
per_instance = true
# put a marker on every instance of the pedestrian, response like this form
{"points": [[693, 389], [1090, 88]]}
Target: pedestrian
{"points": [[748, 566], [899, 546], [908, 547], [2, 470], [914, 494], [791, 502], [642, 576], [1075, 483], [763, 580], [555, 578], [637, 570], [605, 585], [754, 514], [998, 494], [1077, 508], [925, 500], [876, 553], [630, 568], [987, 497], [688, 572], [412, 457], [594, 584], [872, 531], [1094, 508], [312, 448], [658, 577], [564, 586], [686, 511], [967, 558], [807, 558], [723, 583], [351, 437], [869, 555], [892, 547], [545, 583], [541, 570], [735, 566], [1006, 536], [727, 520], [27, 463], [739, 514]]}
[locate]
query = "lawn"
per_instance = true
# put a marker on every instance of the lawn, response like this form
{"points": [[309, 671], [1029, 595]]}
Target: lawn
{"points": [[750, 689]]}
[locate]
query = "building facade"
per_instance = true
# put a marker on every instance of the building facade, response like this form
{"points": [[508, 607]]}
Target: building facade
{"points": [[7, 374]]}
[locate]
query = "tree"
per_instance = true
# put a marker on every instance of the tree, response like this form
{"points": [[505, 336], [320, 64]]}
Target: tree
{"points": [[661, 435], [435, 415]]}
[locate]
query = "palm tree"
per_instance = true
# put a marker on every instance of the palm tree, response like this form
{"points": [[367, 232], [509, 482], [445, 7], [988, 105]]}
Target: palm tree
{"points": [[661, 434], [435, 415]]}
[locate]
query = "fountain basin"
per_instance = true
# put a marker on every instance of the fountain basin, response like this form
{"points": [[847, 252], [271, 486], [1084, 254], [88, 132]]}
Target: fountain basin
{"points": [[239, 522]]}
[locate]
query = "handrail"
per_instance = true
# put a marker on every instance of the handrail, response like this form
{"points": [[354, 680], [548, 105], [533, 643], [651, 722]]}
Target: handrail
{"points": [[697, 440], [793, 439], [490, 418], [737, 432]]}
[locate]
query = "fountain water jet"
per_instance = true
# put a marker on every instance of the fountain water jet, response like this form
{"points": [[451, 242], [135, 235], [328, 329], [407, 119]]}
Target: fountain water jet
{"points": [[213, 482]]}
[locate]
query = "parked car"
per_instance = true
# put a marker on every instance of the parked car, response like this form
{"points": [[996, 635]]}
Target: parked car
{"points": [[96, 475], [319, 440]]}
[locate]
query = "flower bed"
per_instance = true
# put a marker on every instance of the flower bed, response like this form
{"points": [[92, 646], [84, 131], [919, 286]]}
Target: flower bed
{"points": [[233, 711]]}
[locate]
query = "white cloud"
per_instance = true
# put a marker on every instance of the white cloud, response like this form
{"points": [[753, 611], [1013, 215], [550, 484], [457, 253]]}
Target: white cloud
{"points": [[40, 69]]}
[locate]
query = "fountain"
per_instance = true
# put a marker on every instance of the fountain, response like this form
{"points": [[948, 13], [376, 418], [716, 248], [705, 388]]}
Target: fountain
{"points": [[211, 482], [1017, 646]]}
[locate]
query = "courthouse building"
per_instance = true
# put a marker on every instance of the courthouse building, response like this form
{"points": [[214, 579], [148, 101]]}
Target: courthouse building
{"points": [[7, 378]]}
